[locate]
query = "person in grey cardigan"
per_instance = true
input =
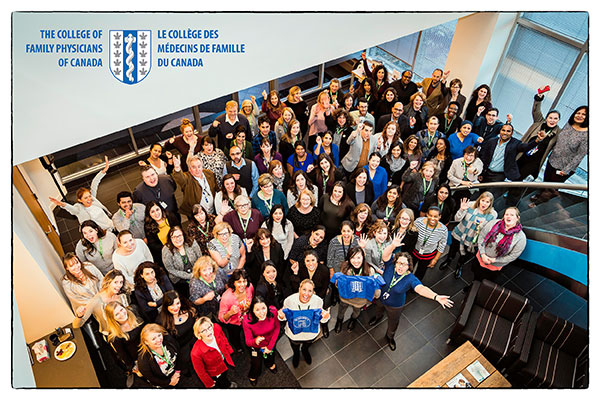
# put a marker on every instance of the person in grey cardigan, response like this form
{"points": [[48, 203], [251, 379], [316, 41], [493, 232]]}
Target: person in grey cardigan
{"points": [[352, 159], [500, 243], [130, 215], [96, 246], [339, 247], [179, 255], [88, 206]]}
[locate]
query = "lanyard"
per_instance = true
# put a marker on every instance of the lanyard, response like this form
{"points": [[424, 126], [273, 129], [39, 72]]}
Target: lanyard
{"points": [[430, 139], [387, 214], [465, 175], [441, 206], [344, 246], [447, 125], [132, 218], [395, 280], [380, 251], [244, 225], [164, 358], [100, 247], [268, 203], [427, 238], [425, 187], [202, 231], [184, 257], [212, 285], [325, 179]]}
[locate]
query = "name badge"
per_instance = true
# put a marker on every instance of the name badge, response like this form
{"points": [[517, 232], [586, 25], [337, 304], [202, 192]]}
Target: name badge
{"points": [[386, 295], [254, 353], [163, 205], [422, 251]]}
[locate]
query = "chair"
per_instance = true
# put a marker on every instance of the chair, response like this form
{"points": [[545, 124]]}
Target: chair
{"points": [[555, 354], [495, 320]]}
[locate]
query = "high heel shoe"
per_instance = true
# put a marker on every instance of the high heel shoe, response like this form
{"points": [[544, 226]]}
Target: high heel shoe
{"points": [[325, 330]]}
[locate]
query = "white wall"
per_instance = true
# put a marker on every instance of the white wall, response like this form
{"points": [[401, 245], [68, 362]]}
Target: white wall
{"points": [[22, 374], [75, 105]]}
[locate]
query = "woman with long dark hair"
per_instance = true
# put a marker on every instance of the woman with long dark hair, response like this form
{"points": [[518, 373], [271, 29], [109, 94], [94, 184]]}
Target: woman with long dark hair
{"points": [[356, 265], [300, 181], [266, 155], [157, 223], [325, 174], [81, 282], [339, 123], [362, 218], [441, 159], [225, 197], [388, 98], [178, 256], [263, 248], [379, 76], [163, 164], [479, 103], [286, 144], [200, 227], [269, 286], [387, 137], [334, 208], [177, 316], [325, 145], [387, 206], [366, 89], [235, 302], [96, 246], [212, 158], [442, 200], [340, 245], [151, 283], [272, 106], [360, 188], [261, 330], [282, 230]]}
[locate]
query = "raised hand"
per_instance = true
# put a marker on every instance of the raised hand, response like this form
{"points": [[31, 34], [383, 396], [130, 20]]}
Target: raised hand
{"points": [[309, 168], [362, 241], [480, 110], [57, 202], [363, 55], [253, 98], [264, 94], [464, 203], [509, 118], [412, 121], [397, 240], [177, 162], [295, 267], [142, 163], [105, 164], [215, 123], [446, 75]]}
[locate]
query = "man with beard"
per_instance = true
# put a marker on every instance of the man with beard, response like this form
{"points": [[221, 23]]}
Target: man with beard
{"points": [[395, 116], [130, 215]]}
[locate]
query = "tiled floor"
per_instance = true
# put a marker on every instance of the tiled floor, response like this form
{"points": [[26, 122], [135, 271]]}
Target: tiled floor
{"points": [[362, 358]]}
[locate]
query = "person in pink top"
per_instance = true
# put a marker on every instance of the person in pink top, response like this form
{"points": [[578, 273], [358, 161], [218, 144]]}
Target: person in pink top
{"points": [[235, 303], [261, 330]]}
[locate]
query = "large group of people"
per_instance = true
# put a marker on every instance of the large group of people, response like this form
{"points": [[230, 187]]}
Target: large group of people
{"points": [[290, 212]]}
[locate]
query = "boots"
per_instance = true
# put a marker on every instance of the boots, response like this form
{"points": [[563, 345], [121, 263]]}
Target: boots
{"points": [[325, 330], [351, 324], [338, 325]]}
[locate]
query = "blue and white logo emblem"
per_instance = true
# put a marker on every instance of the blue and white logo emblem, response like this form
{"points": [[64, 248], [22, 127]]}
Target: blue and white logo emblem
{"points": [[130, 55], [301, 322]]}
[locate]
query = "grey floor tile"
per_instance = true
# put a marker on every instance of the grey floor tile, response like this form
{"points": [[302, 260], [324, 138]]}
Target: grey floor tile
{"points": [[394, 379], [435, 323], [421, 361], [546, 292], [407, 344], [357, 352], [580, 318], [319, 352], [345, 381], [323, 375], [372, 370], [439, 343], [449, 286], [419, 309], [527, 280], [565, 305], [379, 331], [337, 341]]}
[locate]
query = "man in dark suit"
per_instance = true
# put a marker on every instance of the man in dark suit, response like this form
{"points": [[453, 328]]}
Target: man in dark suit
{"points": [[395, 116], [499, 157], [405, 87], [224, 127]]}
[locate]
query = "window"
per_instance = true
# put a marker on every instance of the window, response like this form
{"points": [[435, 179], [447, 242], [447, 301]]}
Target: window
{"points": [[433, 49], [572, 24], [532, 60]]}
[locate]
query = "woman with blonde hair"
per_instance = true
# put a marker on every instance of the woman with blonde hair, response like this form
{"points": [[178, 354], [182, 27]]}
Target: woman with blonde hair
{"points": [[226, 248], [316, 119], [417, 114], [471, 217], [377, 239], [124, 330], [157, 356], [113, 288], [207, 286], [298, 105], [250, 110], [304, 215], [211, 355], [282, 123]]}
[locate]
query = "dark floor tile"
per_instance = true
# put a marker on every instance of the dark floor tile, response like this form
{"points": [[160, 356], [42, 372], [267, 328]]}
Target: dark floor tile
{"points": [[502, 279], [337, 341], [439, 343], [449, 286], [537, 306], [434, 275], [511, 271], [357, 352], [68, 248], [527, 280], [580, 318], [420, 362], [419, 309], [379, 331], [546, 292], [322, 375], [458, 300], [435, 323], [510, 285], [394, 379], [372, 370], [319, 353], [345, 381], [565, 305], [407, 344]]}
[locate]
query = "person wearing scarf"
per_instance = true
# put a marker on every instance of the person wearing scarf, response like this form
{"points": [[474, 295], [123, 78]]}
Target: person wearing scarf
{"points": [[500, 243]]}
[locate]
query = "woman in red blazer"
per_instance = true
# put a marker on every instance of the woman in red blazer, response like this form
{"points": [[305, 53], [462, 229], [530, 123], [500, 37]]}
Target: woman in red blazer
{"points": [[211, 354]]}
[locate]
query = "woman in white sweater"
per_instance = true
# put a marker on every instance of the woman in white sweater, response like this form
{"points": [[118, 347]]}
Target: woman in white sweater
{"points": [[130, 254]]}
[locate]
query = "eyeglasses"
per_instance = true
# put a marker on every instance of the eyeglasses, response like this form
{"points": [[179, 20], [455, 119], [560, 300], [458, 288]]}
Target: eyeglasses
{"points": [[402, 263], [223, 233], [244, 205], [180, 236], [206, 330]]}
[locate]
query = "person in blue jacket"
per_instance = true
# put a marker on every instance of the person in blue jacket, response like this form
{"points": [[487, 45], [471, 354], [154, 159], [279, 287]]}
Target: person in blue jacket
{"points": [[267, 196], [376, 174], [398, 281], [462, 139]]}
